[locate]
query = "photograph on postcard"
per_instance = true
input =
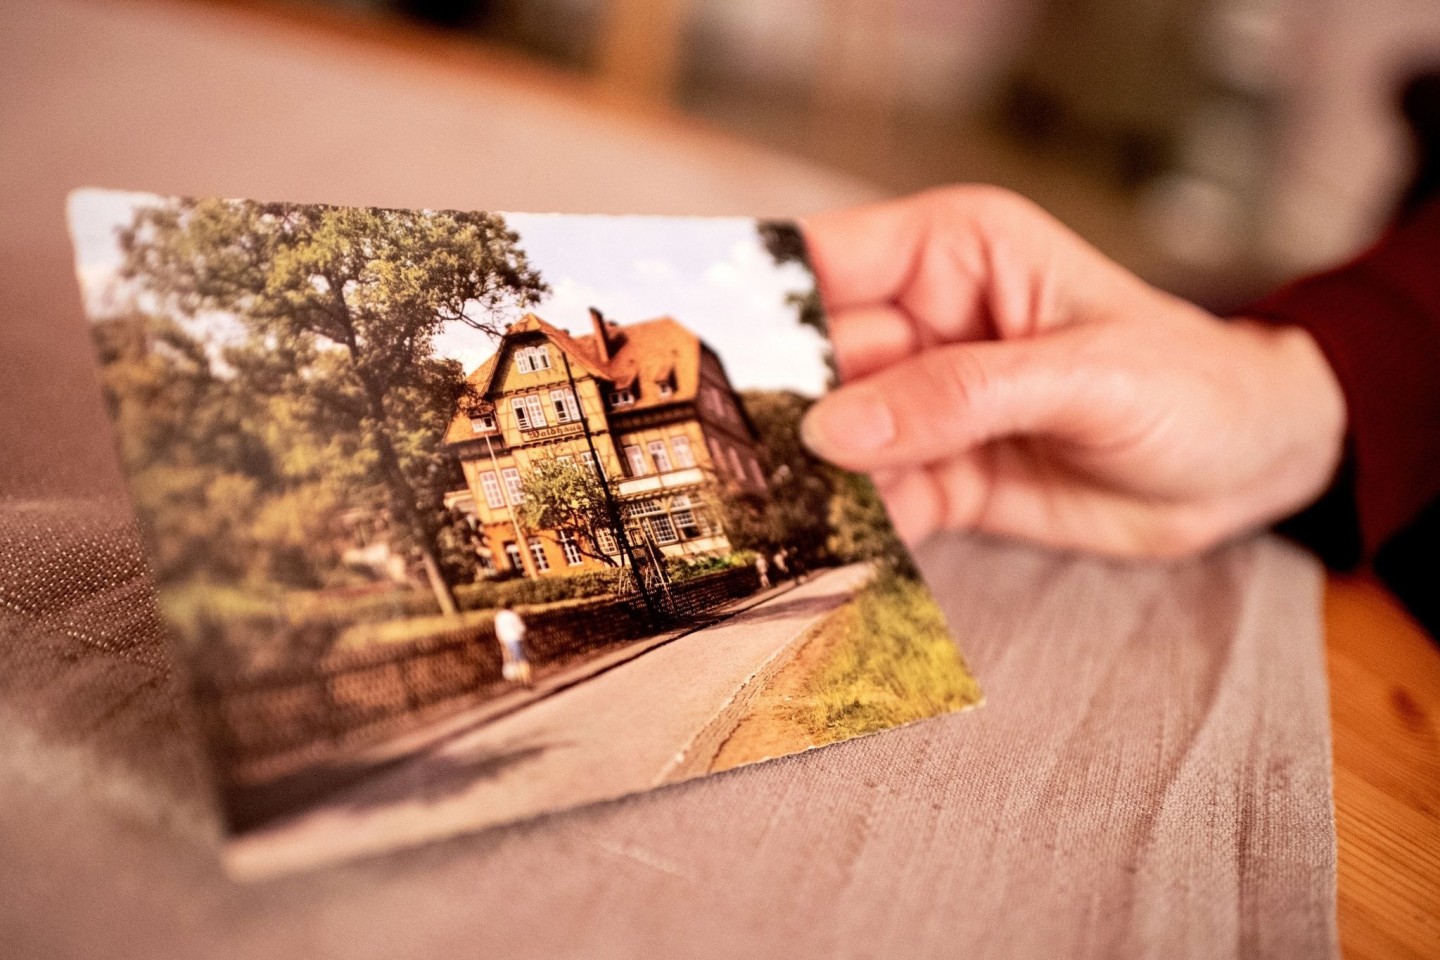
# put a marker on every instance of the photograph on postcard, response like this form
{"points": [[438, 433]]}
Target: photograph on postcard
{"points": [[462, 518]]}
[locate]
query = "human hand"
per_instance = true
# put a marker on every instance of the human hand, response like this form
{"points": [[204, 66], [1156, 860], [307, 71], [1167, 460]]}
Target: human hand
{"points": [[1002, 375]]}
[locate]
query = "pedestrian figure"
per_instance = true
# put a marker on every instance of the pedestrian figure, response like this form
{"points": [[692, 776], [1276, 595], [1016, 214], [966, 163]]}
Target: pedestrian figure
{"points": [[510, 631], [762, 567], [782, 568]]}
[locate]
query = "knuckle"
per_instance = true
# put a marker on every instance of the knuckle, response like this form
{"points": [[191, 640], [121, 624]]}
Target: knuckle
{"points": [[956, 378]]}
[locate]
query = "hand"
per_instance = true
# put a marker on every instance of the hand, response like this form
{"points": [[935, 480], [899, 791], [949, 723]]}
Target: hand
{"points": [[1002, 375]]}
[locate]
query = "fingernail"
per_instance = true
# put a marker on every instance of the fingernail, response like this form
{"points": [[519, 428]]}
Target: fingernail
{"points": [[856, 420]]}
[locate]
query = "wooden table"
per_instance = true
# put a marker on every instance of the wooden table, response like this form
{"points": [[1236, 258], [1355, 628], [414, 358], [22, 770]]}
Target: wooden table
{"points": [[1385, 719]]}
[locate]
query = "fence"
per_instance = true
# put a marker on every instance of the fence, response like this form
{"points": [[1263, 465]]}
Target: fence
{"points": [[271, 723]]}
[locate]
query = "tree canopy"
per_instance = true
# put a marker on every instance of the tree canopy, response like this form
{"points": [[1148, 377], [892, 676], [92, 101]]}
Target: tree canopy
{"points": [[324, 319]]}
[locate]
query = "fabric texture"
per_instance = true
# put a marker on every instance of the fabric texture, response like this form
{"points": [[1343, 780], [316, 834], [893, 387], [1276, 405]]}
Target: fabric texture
{"points": [[1149, 776]]}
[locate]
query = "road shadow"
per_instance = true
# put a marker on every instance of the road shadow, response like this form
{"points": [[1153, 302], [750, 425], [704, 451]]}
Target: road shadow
{"points": [[433, 778], [792, 607], [365, 785]]}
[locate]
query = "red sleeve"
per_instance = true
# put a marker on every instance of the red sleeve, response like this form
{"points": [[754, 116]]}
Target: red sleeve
{"points": [[1377, 320]]}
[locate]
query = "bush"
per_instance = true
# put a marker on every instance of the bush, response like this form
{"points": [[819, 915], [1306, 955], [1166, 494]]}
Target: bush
{"points": [[488, 596], [690, 568]]}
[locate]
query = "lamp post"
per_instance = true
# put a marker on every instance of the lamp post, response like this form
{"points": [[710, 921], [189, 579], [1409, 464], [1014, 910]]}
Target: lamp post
{"points": [[612, 508]]}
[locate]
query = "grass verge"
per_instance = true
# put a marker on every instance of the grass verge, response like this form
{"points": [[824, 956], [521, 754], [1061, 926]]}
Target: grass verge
{"points": [[892, 662]]}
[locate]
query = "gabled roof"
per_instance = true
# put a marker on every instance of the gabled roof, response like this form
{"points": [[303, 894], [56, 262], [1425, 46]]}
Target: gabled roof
{"points": [[641, 356]]}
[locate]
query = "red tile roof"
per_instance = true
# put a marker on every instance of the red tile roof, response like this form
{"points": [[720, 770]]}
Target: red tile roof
{"points": [[642, 356]]}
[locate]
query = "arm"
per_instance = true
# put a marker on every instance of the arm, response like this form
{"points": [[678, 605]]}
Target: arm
{"points": [[1377, 321]]}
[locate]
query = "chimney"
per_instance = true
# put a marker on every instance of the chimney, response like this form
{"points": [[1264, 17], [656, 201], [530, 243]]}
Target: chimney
{"points": [[602, 338]]}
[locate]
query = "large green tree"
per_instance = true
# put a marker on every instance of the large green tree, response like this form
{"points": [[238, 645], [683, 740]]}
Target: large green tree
{"points": [[333, 313], [568, 497]]}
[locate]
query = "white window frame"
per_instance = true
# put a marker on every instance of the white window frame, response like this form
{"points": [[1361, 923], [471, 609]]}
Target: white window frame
{"points": [[513, 485], [717, 453], [537, 553], [683, 514], [539, 358], [521, 412], [563, 402], [537, 411], [588, 458], [622, 398], [605, 540], [571, 549], [684, 456], [494, 493], [484, 423], [660, 456], [523, 362], [635, 460], [513, 556], [665, 388]]}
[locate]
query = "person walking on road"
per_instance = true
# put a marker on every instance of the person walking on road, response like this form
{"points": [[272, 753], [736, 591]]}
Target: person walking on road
{"points": [[762, 567], [510, 631]]}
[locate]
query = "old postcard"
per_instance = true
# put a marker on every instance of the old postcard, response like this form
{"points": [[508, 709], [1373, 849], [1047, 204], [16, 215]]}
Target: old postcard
{"points": [[462, 518]]}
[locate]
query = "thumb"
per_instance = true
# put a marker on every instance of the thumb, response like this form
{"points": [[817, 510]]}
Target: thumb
{"points": [[950, 399]]}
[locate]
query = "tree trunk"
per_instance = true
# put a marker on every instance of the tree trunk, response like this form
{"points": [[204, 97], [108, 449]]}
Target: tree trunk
{"points": [[402, 504]]}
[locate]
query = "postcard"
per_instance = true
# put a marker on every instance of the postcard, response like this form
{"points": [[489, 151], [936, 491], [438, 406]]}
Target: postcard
{"points": [[458, 519]]}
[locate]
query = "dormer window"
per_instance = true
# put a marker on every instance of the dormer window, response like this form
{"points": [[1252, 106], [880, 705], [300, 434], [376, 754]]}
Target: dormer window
{"points": [[622, 398], [531, 359], [666, 387], [483, 423]]}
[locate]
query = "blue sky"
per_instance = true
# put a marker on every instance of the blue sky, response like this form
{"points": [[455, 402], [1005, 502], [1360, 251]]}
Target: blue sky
{"points": [[713, 275]]}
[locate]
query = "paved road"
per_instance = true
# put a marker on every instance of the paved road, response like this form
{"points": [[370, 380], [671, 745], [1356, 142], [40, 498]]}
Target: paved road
{"points": [[623, 731]]}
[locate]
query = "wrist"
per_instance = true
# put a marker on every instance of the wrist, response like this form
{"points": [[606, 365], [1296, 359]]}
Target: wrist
{"points": [[1306, 405]]}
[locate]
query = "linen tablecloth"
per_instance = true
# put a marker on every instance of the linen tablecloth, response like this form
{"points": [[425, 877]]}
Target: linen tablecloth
{"points": [[1149, 777]]}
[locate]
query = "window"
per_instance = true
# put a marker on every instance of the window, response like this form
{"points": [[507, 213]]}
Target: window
{"points": [[588, 458], [717, 453], [512, 554], [660, 455], [573, 556], [684, 456], [666, 387], [483, 423], [684, 517], [737, 469], [605, 539], [522, 415], [566, 409], [650, 517], [621, 398], [635, 457], [537, 553], [756, 472], [710, 399], [491, 485], [512, 484], [537, 412], [565, 458], [530, 359], [663, 529], [487, 564]]}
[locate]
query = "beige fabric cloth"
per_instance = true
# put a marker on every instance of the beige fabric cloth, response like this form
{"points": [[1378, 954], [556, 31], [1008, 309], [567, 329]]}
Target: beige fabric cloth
{"points": [[1149, 777]]}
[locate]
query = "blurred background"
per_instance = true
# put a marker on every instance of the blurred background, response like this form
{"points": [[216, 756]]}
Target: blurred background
{"points": [[1214, 146]]}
